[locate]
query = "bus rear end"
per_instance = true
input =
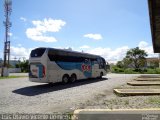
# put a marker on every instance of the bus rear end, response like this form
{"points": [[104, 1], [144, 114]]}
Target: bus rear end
{"points": [[38, 65]]}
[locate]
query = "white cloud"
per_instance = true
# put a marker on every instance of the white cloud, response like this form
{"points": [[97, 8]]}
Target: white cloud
{"points": [[41, 27], [149, 49], [84, 47], [20, 52], [10, 34], [142, 44], [94, 36], [19, 45], [23, 19], [112, 56]]}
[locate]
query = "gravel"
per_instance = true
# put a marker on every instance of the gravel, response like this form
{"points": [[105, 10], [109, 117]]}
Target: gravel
{"points": [[113, 101], [130, 102], [22, 96]]}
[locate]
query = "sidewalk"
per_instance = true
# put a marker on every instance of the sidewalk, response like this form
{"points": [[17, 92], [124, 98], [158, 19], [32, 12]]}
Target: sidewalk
{"points": [[117, 114]]}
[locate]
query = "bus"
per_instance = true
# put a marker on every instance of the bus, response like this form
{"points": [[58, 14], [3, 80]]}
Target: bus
{"points": [[51, 65]]}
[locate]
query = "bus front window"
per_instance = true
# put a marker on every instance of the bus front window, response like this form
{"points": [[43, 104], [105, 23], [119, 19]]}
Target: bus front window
{"points": [[38, 52]]}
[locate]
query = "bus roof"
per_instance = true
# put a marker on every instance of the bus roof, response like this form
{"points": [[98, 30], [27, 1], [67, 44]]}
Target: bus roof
{"points": [[74, 53], [68, 52]]}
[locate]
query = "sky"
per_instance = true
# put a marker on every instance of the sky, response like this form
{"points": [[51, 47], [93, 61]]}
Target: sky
{"points": [[104, 27]]}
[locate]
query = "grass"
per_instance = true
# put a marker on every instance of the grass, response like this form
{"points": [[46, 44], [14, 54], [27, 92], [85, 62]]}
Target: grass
{"points": [[126, 102], [154, 101], [10, 77]]}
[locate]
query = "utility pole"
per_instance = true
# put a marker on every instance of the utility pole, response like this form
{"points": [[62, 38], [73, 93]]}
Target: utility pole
{"points": [[7, 24]]}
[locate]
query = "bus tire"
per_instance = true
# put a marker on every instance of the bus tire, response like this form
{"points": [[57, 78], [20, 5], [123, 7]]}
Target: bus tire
{"points": [[101, 74], [51, 83], [65, 79], [73, 78]]}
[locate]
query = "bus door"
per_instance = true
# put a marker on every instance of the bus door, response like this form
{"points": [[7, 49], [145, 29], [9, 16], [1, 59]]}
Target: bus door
{"points": [[95, 67]]}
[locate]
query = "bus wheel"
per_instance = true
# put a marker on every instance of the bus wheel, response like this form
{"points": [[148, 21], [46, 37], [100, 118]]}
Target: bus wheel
{"points": [[73, 78], [50, 83], [65, 79], [101, 74]]}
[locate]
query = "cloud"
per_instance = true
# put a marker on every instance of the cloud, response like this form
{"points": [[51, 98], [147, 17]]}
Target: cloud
{"points": [[10, 34], [111, 55], [19, 45], [23, 19], [84, 47], [148, 48], [94, 36], [38, 32], [20, 52], [114, 55], [143, 44]]}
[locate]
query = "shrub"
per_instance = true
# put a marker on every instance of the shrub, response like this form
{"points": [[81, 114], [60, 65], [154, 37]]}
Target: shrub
{"points": [[130, 71], [157, 70], [151, 71], [117, 69]]}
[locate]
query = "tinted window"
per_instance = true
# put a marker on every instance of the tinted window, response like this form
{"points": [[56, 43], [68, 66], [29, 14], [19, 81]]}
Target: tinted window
{"points": [[64, 56], [101, 62], [67, 56], [38, 52]]}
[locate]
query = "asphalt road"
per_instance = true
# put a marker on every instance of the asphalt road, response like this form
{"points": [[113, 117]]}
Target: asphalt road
{"points": [[22, 96]]}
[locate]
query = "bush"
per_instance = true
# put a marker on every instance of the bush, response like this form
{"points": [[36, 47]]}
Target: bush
{"points": [[115, 69], [151, 71], [157, 70], [130, 71]]}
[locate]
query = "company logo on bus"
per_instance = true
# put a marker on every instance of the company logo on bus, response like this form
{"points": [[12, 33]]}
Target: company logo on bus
{"points": [[34, 70], [86, 67]]}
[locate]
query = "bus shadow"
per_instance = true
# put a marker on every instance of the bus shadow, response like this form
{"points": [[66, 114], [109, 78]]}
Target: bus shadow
{"points": [[46, 88]]}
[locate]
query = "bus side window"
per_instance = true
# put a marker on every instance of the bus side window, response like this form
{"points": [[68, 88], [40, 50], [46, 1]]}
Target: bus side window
{"points": [[100, 62], [95, 61]]}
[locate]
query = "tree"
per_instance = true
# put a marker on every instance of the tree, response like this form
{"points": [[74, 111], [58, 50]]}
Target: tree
{"points": [[137, 57], [24, 65], [120, 64], [124, 63]]}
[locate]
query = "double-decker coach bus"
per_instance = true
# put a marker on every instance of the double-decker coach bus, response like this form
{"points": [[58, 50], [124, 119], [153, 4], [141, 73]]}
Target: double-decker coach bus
{"points": [[50, 65]]}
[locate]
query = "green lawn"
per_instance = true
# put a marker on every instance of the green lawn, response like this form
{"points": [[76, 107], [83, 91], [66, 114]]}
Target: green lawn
{"points": [[9, 77]]}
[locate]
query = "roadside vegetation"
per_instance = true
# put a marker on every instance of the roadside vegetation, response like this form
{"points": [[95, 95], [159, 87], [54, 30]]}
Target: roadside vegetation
{"points": [[24, 65], [135, 62], [9, 77]]}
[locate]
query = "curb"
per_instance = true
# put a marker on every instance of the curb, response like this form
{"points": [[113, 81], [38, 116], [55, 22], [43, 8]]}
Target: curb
{"points": [[147, 79], [131, 92], [148, 83], [149, 76], [116, 110], [117, 114]]}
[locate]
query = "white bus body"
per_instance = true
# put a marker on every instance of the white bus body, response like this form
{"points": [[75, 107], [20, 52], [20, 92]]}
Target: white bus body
{"points": [[49, 65]]}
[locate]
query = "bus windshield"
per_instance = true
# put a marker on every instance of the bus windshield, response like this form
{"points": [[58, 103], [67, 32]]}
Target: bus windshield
{"points": [[38, 52]]}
